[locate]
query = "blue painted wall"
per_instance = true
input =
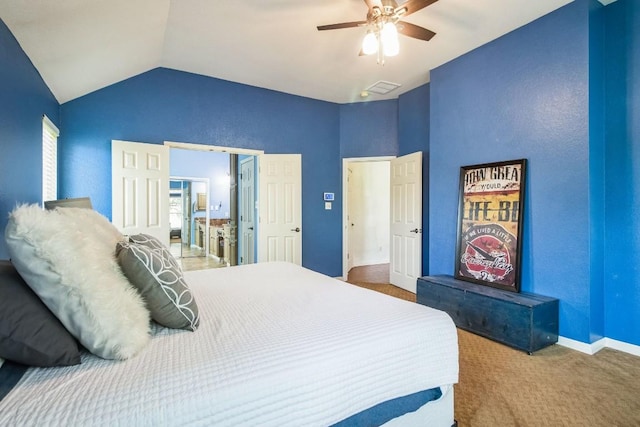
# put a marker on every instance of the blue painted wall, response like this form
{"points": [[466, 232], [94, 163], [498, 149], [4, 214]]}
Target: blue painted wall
{"points": [[413, 135], [369, 129], [24, 98], [622, 188], [525, 95], [597, 178], [171, 105]]}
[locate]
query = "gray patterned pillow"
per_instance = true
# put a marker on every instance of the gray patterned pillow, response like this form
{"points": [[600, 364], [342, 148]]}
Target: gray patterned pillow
{"points": [[156, 245], [161, 284]]}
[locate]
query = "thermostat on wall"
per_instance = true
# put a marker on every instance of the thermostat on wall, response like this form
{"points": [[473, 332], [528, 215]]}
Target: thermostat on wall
{"points": [[328, 197]]}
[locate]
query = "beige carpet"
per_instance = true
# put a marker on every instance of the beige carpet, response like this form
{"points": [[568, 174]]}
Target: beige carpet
{"points": [[556, 386]]}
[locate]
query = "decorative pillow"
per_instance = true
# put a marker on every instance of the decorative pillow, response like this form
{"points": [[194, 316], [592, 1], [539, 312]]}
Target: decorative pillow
{"points": [[161, 284], [154, 243], [105, 234], [29, 333], [62, 260]]}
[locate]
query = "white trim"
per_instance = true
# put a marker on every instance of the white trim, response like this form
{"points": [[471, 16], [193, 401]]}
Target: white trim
{"points": [[606, 2], [580, 346], [52, 127], [596, 346], [189, 178], [345, 210], [623, 346], [218, 148]]}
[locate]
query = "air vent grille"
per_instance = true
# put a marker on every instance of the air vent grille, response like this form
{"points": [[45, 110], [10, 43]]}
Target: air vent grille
{"points": [[382, 87]]}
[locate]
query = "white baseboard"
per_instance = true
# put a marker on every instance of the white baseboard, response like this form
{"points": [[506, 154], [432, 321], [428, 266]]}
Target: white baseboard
{"points": [[580, 346], [596, 346], [623, 346]]}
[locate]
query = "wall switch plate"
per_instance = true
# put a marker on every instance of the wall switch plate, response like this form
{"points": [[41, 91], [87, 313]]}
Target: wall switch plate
{"points": [[327, 206]]}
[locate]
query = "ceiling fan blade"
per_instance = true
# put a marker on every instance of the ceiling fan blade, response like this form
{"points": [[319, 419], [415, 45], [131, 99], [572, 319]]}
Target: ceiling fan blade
{"points": [[342, 25], [371, 3], [411, 30], [413, 6]]}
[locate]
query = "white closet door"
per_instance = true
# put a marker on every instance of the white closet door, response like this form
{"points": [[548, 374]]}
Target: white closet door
{"points": [[406, 221], [280, 227], [140, 188]]}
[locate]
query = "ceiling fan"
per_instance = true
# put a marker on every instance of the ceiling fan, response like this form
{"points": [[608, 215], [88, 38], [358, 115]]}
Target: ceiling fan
{"points": [[383, 25]]}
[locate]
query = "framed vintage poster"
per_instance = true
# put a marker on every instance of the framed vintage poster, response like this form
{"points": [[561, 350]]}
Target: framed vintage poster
{"points": [[490, 209]]}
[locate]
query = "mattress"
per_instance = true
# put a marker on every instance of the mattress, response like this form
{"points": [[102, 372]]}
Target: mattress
{"points": [[278, 345]]}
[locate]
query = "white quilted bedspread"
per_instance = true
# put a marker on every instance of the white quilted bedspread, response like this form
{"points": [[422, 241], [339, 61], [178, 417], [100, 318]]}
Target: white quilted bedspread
{"points": [[277, 345]]}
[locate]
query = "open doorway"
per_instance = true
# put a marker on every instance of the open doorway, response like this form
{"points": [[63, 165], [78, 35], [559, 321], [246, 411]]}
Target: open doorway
{"points": [[216, 225], [366, 212]]}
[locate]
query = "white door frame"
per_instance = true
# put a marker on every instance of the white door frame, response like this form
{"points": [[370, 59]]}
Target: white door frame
{"points": [[216, 148], [345, 210]]}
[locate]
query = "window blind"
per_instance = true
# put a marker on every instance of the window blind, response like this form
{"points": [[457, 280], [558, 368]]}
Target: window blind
{"points": [[50, 135]]}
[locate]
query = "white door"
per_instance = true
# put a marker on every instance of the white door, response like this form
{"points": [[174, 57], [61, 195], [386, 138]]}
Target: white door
{"points": [[247, 210], [140, 188], [406, 221], [280, 208]]}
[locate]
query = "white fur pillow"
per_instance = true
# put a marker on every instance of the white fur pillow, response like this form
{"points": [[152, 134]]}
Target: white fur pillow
{"points": [[64, 259], [104, 233]]}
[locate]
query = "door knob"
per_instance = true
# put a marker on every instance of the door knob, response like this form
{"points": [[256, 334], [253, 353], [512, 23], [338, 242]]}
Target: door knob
{"points": [[297, 229], [416, 230]]}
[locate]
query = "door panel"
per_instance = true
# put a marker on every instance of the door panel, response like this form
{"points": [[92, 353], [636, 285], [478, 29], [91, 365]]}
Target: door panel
{"points": [[140, 188], [247, 210], [406, 221], [280, 226]]}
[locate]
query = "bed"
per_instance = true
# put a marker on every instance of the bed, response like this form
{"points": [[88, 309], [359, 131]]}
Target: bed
{"points": [[277, 345]]}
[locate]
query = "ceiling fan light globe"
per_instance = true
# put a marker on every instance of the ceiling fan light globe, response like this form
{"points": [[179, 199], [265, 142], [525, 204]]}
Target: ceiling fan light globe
{"points": [[389, 33], [370, 44]]}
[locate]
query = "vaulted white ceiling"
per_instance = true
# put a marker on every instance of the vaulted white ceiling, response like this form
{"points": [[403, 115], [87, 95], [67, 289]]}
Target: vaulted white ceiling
{"points": [[79, 46]]}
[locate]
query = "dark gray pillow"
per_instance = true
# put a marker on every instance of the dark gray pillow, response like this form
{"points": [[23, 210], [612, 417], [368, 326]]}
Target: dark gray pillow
{"points": [[29, 333], [161, 284]]}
